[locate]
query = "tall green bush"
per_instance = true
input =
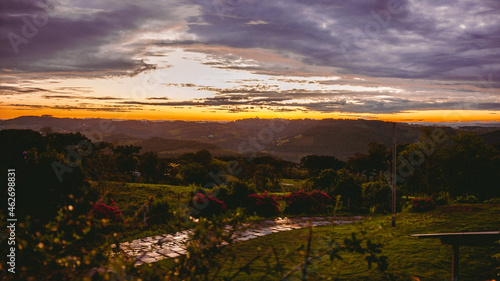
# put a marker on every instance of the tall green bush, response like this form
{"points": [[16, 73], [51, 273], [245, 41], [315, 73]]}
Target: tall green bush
{"points": [[159, 211], [377, 195]]}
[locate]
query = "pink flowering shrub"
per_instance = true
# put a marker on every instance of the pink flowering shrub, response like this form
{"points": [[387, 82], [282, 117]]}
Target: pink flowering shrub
{"points": [[206, 206], [103, 211], [422, 204], [301, 202], [264, 205]]}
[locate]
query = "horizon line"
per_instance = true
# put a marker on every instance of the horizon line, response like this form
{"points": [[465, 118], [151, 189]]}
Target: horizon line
{"points": [[410, 122]]}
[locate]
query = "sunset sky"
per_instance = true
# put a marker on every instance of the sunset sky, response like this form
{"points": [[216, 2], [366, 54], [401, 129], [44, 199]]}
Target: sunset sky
{"points": [[421, 60]]}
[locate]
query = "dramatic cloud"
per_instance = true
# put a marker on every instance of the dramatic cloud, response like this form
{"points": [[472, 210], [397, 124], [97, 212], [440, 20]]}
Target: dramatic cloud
{"points": [[9, 90], [82, 106], [79, 97], [57, 36], [359, 56], [387, 105], [388, 38]]}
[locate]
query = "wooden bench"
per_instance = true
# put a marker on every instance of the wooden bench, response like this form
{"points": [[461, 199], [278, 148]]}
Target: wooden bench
{"points": [[487, 238]]}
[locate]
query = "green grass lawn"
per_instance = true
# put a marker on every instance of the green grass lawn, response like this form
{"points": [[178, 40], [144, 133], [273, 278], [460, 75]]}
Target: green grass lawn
{"points": [[130, 196], [290, 185], [408, 256]]}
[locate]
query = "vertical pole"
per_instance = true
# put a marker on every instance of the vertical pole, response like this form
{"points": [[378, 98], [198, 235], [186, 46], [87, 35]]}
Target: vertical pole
{"points": [[145, 209], [308, 252], [455, 262], [394, 174]]}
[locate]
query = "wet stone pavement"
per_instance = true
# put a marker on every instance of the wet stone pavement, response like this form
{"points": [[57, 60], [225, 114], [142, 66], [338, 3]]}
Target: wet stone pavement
{"points": [[155, 248]]}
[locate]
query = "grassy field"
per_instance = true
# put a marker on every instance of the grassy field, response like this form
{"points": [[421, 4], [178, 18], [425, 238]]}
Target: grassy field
{"points": [[407, 256], [130, 196], [425, 259], [290, 185]]}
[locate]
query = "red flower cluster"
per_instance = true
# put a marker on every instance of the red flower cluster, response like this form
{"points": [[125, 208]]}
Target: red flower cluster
{"points": [[422, 204], [207, 206], [264, 205], [301, 202], [103, 211]]}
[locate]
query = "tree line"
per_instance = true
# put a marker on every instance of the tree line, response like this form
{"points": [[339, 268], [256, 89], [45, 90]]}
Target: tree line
{"points": [[461, 165]]}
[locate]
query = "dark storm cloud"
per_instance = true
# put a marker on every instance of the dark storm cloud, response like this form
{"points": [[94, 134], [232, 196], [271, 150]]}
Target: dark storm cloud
{"points": [[40, 36], [82, 106], [356, 105], [455, 44], [9, 90], [428, 39], [58, 93], [75, 89], [80, 97], [385, 38], [158, 98]]}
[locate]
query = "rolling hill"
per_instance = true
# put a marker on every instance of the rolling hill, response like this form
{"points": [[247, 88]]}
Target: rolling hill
{"points": [[288, 139]]}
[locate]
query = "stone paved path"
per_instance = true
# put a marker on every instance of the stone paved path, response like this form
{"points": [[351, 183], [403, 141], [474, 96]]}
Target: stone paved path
{"points": [[155, 248]]}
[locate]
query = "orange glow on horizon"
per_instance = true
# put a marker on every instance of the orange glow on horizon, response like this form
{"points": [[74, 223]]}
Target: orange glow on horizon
{"points": [[204, 114]]}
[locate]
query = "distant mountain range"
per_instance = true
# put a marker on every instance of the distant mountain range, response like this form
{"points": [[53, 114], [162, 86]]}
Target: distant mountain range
{"points": [[288, 139]]}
